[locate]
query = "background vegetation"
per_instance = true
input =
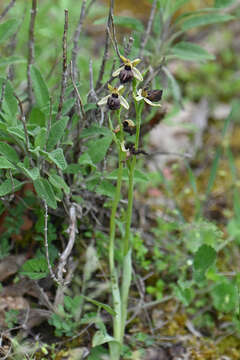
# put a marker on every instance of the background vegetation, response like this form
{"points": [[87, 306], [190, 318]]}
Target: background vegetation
{"points": [[58, 171]]}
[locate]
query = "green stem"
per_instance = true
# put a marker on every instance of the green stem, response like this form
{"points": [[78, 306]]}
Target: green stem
{"points": [[115, 202], [132, 166], [115, 349], [127, 267]]}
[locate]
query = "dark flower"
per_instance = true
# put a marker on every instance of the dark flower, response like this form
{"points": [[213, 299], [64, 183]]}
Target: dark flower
{"points": [[113, 102], [128, 71], [115, 99]]}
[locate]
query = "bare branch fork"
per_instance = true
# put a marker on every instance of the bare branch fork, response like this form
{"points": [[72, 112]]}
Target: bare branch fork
{"points": [[31, 51], [64, 65], [60, 279]]}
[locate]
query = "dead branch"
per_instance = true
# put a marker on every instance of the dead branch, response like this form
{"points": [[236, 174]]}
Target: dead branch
{"points": [[65, 256], [149, 27], [31, 51], [81, 111], [76, 39], [64, 65], [23, 121], [46, 243]]}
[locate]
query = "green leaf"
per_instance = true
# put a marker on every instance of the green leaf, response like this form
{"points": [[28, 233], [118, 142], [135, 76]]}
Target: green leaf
{"points": [[206, 19], [223, 3], [139, 176], [8, 28], [89, 106], [37, 117], [97, 149], [33, 174], [17, 131], [85, 159], [100, 305], [173, 85], [5, 164], [58, 158], [9, 186], [39, 87], [100, 338], [40, 138], [106, 188], [125, 21], [225, 296], [203, 259], [59, 183], [188, 51], [35, 268], [10, 104], [45, 192], [129, 22], [9, 152], [68, 104], [176, 4], [11, 60], [56, 132], [95, 130]]}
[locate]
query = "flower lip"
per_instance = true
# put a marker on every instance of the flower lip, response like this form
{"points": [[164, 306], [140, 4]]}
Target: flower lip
{"points": [[154, 95], [149, 96], [115, 99]]}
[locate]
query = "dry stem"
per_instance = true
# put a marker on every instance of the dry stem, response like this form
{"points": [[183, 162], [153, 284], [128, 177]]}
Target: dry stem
{"points": [[31, 51], [64, 65]]}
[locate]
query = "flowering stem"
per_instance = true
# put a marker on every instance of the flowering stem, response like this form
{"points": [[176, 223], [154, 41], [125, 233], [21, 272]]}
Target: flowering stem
{"points": [[115, 349], [132, 166], [115, 202], [127, 264]]}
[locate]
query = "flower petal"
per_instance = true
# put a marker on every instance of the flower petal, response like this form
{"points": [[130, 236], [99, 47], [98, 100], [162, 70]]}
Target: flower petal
{"points": [[120, 88], [125, 60], [117, 72], [111, 88], [138, 97], [103, 101], [149, 102], [123, 147], [136, 61], [137, 74], [123, 102]]}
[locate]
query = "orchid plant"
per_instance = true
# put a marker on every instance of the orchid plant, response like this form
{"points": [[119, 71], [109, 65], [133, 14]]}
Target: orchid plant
{"points": [[126, 157]]}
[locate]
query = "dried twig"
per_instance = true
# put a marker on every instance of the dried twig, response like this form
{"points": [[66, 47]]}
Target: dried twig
{"points": [[76, 39], [64, 65], [92, 96], [106, 48], [7, 8], [46, 243], [31, 51], [149, 27], [2, 93], [64, 257], [81, 111], [89, 7], [23, 120], [128, 46]]}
